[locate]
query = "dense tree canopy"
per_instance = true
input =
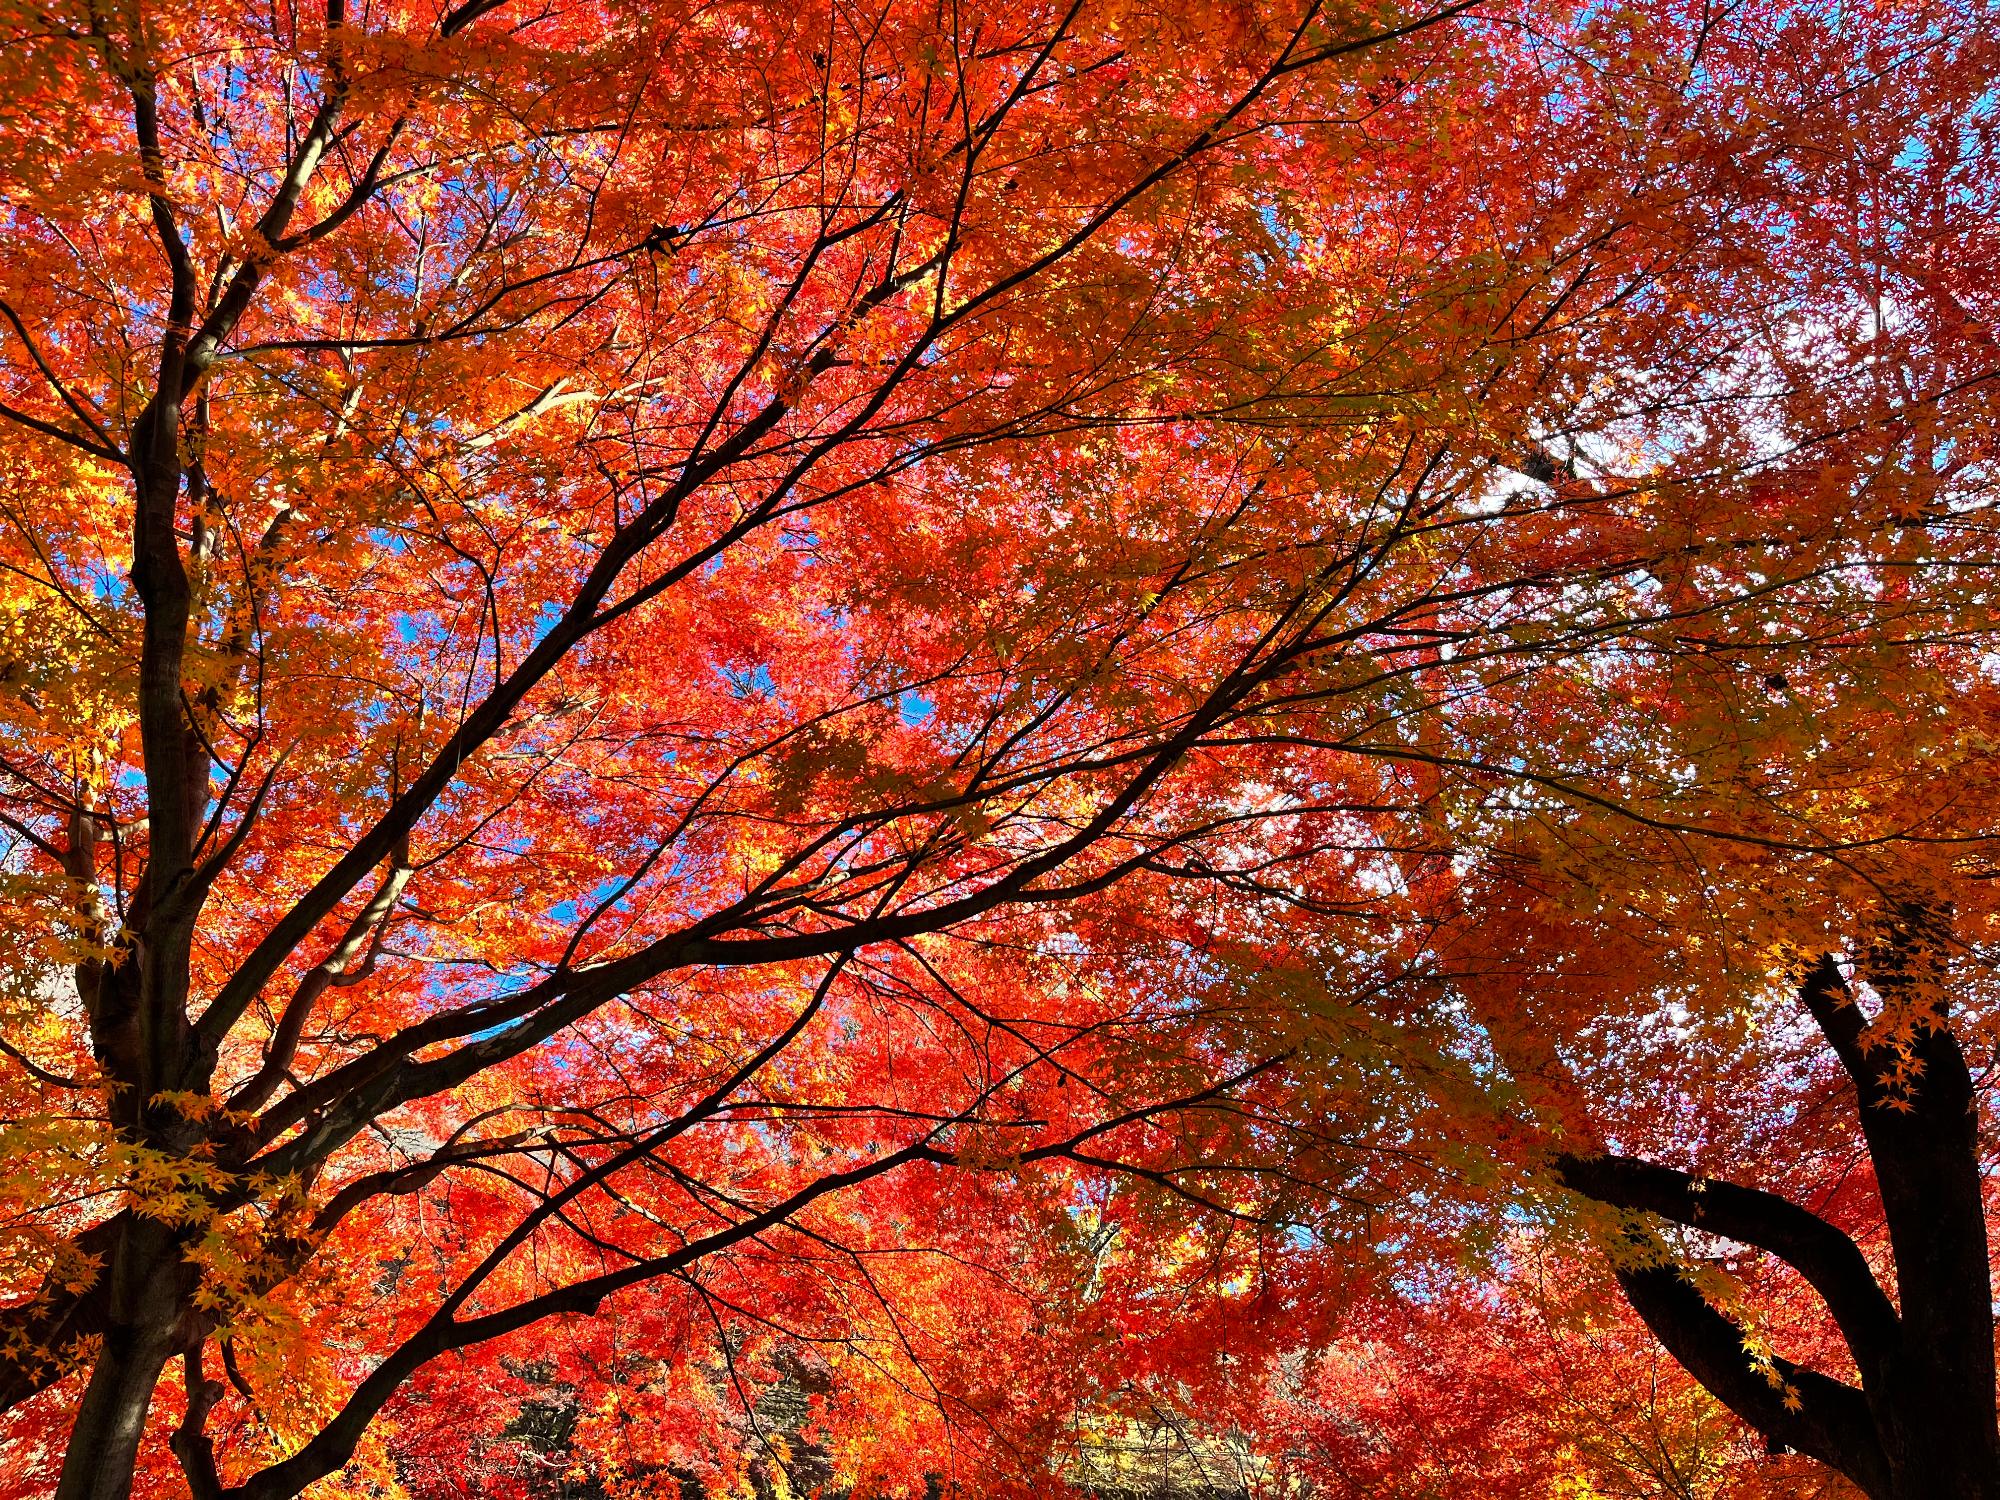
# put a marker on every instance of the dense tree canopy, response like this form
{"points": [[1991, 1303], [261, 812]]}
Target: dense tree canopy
{"points": [[1259, 721]]}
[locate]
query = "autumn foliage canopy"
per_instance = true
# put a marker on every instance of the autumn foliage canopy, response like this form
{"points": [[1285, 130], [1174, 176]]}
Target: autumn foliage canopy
{"points": [[890, 748]]}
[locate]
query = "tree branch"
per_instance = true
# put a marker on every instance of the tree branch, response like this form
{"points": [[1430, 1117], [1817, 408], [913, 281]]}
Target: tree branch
{"points": [[1828, 1259], [1805, 1410]]}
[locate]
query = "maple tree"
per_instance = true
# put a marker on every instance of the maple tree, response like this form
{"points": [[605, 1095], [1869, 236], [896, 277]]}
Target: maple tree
{"points": [[680, 654], [476, 725], [1709, 966], [1834, 966]]}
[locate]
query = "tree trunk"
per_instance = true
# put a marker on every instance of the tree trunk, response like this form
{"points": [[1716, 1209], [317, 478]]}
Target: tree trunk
{"points": [[1922, 1424], [145, 1285]]}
